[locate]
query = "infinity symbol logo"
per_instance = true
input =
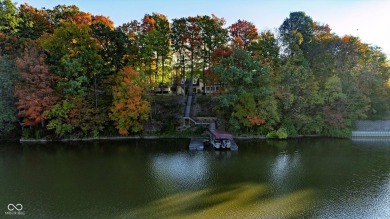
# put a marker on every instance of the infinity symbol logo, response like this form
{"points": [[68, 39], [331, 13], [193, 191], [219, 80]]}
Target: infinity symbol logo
{"points": [[12, 207]]}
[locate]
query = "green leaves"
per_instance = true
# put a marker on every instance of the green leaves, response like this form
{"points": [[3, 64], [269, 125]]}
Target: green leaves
{"points": [[241, 72], [59, 120], [248, 95], [8, 118], [9, 22], [74, 56], [114, 46], [297, 32]]}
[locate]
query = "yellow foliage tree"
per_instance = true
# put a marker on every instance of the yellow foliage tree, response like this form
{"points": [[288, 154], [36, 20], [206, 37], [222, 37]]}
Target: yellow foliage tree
{"points": [[130, 107]]}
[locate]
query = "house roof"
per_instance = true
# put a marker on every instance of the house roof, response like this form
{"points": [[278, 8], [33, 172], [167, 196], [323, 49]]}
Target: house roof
{"points": [[219, 134]]}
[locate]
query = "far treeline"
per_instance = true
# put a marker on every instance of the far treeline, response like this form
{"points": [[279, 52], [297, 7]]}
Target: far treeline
{"points": [[65, 72]]}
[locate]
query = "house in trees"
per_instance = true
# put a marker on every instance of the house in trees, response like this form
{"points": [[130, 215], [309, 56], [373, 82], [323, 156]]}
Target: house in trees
{"points": [[197, 86]]}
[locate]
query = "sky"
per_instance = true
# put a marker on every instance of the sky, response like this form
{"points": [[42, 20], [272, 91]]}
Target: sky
{"points": [[367, 19]]}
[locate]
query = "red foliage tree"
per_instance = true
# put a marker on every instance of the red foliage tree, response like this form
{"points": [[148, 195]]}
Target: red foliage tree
{"points": [[243, 33], [34, 91], [255, 120]]}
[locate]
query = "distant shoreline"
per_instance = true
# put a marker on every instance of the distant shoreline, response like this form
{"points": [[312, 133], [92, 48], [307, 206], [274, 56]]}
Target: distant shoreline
{"points": [[156, 137]]}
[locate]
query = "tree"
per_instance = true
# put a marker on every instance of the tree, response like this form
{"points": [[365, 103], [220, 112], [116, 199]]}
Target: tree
{"points": [[334, 108], [34, 22], [132, 30], [187, 38], [218, 54], [298, 96], [9, 46], [374, 78], [8, 115], [86, 119], [240, 72], [322, 53], [266, 49], [35, 89], [74, 56], [244, 78], [106, 21], [147, 44], [163, 41], [243, 33], [59, 118], [62, 14], [297, 32], [9, 22], [178, 31], [213, 36], [245, 113], [193, 44], [130, 108], [80, 18], [114, 46]]}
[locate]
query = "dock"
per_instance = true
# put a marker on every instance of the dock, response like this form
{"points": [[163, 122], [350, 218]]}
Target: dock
{"points": [[234, 146], [197, 144]]}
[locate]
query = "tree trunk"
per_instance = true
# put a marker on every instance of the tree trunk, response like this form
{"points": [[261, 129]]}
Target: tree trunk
{"points": [[203, 70], [94, 90], [183, 74], [155, 76], [192, 74], [150, 73], [162, 74]]}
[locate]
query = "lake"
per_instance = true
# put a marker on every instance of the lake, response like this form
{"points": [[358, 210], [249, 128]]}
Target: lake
{"points": [[301, 178]]}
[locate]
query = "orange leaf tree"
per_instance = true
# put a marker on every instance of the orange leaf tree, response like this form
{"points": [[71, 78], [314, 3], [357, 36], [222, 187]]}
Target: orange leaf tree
{"points": [[130, 107], [243, 33], [34, 92]]}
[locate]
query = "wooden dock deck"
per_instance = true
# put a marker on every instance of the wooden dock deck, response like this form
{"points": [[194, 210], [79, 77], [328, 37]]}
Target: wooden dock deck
{"points": [[197, 144]]}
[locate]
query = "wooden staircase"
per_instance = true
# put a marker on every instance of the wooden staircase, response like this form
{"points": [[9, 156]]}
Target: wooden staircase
{"points": [[188, 120]]}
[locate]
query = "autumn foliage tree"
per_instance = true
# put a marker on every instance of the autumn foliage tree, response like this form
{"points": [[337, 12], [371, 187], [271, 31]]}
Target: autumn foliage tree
{"points": [[304, 79], [130, 108], [243, 33], [34, 22], [34, 92], [62, 13]]}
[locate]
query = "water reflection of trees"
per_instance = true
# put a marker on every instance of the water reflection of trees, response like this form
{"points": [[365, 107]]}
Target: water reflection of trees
{"points": [[172, 172], [245, 200]]}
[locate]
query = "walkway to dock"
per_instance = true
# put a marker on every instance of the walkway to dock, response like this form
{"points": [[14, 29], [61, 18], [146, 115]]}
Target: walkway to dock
{"points": [[188, 119]]}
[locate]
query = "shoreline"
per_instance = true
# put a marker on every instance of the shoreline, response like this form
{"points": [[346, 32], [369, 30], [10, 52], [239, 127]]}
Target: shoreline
{"points": [[356, 134], [90, 139], [147, 137]]}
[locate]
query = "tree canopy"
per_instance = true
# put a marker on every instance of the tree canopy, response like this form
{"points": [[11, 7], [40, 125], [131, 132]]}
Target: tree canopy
{"points": [[65, 71]]}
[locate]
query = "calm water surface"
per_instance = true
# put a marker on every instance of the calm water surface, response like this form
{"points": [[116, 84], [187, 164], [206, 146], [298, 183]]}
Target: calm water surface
{"points": [[306, 178]]}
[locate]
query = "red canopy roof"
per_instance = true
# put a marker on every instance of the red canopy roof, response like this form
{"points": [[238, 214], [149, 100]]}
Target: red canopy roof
{"points": [[218, 134]]}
